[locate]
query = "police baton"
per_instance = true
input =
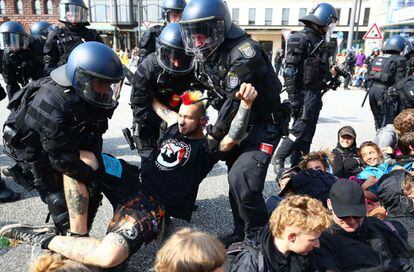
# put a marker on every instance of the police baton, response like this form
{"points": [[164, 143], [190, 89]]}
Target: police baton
{"points": [[365, 99]]}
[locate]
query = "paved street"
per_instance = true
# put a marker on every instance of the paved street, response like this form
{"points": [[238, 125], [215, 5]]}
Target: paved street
{"points": [[213, 214]]}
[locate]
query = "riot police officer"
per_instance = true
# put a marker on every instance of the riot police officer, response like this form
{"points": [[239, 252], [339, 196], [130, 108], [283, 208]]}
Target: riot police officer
{"points": [[171, 12], [38, 35], [165, 75], [17, 63], [306, 75], [52, 127], [62, 40], [225, 58], [349, 65], [386, 70]]}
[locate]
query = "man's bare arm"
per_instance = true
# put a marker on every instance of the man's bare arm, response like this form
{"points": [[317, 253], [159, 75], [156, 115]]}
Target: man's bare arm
{"points": [[247, 94], [169, 116]]}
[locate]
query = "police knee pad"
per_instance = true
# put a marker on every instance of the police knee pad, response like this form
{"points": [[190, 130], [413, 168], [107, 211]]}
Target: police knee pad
{"points": [[58, 210]]}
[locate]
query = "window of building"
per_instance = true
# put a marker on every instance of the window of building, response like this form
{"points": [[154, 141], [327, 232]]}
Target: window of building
{"points": [[2, 7], [123, 11], [100, 11], [268, 16], [252, 16], [18, 7], [338, 12], [285, 16], [152, 13], [235, 15], [48, 7], [366, 16], [302, 13], [36, 7]]}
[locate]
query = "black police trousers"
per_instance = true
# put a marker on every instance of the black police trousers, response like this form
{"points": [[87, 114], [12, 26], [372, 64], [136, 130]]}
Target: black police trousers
{"points": [[303, 129], [376, 102], [247, 174]]}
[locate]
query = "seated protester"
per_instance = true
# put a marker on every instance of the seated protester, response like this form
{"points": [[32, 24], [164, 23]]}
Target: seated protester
{"points": [[346, 162], [396, 192], [286, 243], [272, 201], [313, 180], [387, 137], [356, 242], [191, 251], [374, 169], [142, 197]]}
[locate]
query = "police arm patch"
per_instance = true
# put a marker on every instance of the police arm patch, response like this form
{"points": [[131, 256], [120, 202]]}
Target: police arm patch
{"points": [[247, 50]]}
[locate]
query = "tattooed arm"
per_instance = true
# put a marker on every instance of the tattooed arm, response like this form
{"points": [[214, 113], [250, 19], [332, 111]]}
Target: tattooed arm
{"points": [[109, 252], [247, 93], [169, 116], [77, 200]]}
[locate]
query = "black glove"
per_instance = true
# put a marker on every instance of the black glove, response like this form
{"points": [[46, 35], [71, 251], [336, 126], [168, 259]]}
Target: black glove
{"points": [[296, 105]]}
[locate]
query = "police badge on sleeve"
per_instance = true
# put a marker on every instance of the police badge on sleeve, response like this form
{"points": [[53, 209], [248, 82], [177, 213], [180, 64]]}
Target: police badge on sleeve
{"points": [[232, 80], [247, 50]]}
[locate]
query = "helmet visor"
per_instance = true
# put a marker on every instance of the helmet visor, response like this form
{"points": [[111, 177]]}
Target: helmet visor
{"points": [[13, 41], [72, 13], [101, 92], [330, 30], [174, 60], [202, 38]]}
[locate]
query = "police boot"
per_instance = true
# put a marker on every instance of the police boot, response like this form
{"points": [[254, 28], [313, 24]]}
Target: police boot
{"points": [[6, 194], [279, 167], [20, 176]]}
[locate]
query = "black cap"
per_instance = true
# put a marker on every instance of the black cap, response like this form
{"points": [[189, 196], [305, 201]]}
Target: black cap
{"points": [[347, 130], [292, 171], [347, 199]]}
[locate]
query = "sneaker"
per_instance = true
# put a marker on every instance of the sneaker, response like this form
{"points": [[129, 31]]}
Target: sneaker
{"points": [[231, 238], [29, 234]]}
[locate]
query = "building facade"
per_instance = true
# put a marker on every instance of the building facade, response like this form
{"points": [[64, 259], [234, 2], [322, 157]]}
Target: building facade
{"points": [[266, 20], [28, 12]]}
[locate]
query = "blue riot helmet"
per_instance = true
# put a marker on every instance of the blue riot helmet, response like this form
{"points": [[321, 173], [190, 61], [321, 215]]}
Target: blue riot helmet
{"points": [[41, 28], [73, 11], [94, 71], [204, 26], [395, 43], [13, 36], [323, 15], [172, 8], [170, 51]]}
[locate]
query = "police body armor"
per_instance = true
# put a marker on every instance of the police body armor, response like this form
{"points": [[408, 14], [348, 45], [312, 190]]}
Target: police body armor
{"points": [[383, 69], [66, 39], [304, 71], [243, 60]]}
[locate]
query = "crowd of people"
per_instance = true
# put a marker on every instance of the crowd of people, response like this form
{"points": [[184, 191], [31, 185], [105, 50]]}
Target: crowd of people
{"points": [[349, 209]]}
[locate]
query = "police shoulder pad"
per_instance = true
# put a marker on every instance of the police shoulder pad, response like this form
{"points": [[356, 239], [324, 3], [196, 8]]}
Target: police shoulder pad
{"points": [[247, 50]]}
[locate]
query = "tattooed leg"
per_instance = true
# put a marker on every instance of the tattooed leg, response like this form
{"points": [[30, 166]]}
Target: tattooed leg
{"points": [[77, 200], [109, 252]]}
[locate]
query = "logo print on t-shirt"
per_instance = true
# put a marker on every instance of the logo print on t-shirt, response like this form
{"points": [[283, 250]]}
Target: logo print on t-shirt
{"points": [[172, 153]]}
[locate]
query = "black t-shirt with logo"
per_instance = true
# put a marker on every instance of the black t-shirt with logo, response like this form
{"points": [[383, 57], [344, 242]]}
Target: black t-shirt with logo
{"points": [[174, 174]]}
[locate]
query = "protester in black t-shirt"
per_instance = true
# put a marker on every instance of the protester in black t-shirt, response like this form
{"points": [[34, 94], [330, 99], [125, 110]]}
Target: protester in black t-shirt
{"points": [[168, 185]]}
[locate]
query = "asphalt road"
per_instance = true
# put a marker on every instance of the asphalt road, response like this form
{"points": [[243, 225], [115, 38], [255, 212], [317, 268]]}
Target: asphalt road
{"points": [[213, 214]]}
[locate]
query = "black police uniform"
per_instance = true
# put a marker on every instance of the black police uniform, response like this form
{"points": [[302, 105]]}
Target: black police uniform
{"points": [[61, 41], [53, 126], [349, 66], [234, 62], [410, 65], [151, 80], [36, 45], [148, 42], [305, 77], [386, 70], [17, 68]]}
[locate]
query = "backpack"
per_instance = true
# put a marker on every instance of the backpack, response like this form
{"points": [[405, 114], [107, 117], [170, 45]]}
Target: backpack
{"points": [[234, 249]]}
